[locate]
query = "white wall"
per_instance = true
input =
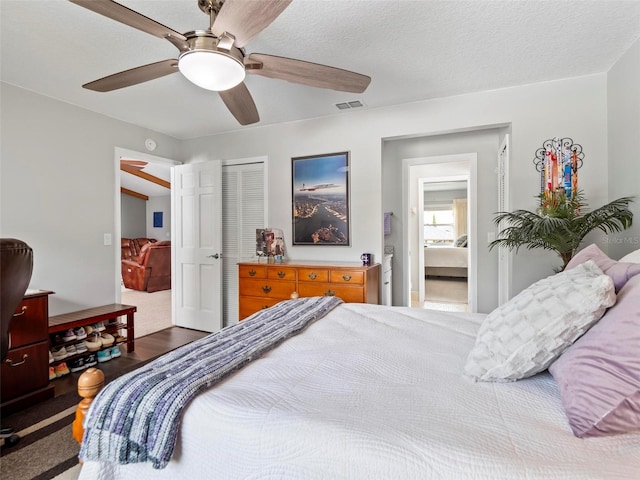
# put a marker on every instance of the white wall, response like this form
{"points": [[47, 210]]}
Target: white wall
{"points": [[623, 113], [159, 204], [133, 213], [570, 108], [58, 192]]}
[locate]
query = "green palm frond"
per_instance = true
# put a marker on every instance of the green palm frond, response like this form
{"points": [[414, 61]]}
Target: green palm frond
{"points": [[560, 224]]}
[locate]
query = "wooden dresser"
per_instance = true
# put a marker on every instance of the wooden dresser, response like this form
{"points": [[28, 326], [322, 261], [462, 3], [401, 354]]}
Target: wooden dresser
{"points": [[262, 285], [24, 375]]}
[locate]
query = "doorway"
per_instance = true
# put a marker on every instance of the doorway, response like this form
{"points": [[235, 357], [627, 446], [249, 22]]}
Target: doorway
{"points": [[154, 309], [443, 231], [449, 174]]}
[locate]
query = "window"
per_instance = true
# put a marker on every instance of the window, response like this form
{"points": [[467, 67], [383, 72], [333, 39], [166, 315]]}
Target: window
{"points": [[439, 225]]}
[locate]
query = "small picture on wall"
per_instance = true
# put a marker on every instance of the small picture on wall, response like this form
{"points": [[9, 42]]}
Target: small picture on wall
{"points": [[321, 199], [157, 219]]}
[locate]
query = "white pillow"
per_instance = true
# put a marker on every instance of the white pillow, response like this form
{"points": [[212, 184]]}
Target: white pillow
{"points": [[526, 334], [633, 257]]}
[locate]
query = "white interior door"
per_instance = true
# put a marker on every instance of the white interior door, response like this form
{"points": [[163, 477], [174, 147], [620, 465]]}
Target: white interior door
{"points": [[504, 255], [196, 201]]}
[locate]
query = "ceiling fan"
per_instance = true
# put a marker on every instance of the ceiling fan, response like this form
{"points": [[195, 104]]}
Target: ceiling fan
{"points": [[215, 59]]}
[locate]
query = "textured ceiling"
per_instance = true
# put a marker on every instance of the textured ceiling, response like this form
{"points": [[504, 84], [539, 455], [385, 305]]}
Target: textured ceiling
{"points": [[413, 50]]}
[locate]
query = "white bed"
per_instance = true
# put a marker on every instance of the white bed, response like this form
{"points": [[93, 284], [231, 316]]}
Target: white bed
{"points": [[378, 392], [446, 261]]}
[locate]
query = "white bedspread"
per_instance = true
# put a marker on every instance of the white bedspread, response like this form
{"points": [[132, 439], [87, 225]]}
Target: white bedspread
{"points": [[372, 392], [449, 257]]}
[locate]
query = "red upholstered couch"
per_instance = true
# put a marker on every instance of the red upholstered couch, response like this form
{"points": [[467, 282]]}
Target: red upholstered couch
{"points": [[130, 247], [150, 270]]}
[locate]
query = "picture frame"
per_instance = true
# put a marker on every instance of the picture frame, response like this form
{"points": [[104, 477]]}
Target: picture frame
{"points": [[320, 199], [157, 219]]}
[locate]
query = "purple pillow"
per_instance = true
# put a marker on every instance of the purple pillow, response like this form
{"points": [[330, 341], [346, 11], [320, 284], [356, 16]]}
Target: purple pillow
{"points": [[599, 375], [619, 272]]}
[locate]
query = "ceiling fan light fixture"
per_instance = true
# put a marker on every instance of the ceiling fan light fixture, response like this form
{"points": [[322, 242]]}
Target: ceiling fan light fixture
{"points": [[211, 69]]}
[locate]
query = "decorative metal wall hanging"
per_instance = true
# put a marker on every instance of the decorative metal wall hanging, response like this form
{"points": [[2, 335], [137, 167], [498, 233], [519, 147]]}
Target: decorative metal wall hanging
{"points": [[558, 162]]}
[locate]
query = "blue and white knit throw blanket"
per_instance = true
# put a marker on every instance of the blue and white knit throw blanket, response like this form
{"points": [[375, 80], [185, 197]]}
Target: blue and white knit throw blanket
{"points": [[136, 417]]}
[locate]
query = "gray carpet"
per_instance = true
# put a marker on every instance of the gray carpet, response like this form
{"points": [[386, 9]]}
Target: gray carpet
{"points": [[154, 310], [446, 289]]}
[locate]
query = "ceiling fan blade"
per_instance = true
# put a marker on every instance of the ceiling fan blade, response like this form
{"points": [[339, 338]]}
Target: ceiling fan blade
{"points": [[125, 15], [241, 105], [244, 19], [306, 73], [133, 76]]}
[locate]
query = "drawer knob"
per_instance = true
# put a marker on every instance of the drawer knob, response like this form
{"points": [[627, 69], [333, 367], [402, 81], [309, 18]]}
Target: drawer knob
{"points": [[252, 272], [11, 364], [281, 274], [346, 278], [313, 276], [264, 307], [21, 312], [266, 289], [329, 293]]}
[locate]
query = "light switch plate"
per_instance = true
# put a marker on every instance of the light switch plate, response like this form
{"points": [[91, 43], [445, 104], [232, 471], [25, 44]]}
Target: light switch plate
{"points": [[107, 239]]}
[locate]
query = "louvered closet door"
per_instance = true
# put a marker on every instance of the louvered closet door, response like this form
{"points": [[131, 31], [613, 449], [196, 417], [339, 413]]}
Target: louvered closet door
{"points": [[243, 212]]}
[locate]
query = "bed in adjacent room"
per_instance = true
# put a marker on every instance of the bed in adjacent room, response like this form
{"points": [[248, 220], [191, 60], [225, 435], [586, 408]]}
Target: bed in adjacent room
{"points": [[446, 261], [370, 391]]}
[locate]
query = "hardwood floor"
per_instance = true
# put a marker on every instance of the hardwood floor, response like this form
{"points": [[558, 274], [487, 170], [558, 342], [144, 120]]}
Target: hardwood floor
{"points": [[147, 348]]}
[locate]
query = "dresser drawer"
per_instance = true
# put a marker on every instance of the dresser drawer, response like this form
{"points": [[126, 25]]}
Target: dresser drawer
{"points": [[266, 288], [282, 273], [30, 322], [313, 275], [349, 294], [252, 271], [347, 276], [250, 305], [20, 375]]}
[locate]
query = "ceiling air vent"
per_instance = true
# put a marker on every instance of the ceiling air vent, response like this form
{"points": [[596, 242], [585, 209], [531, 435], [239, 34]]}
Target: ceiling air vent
{"points": [[349, 105]]}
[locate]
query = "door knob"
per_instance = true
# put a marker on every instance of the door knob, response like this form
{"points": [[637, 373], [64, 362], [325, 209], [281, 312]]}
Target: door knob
{"points": [[216, 256]]}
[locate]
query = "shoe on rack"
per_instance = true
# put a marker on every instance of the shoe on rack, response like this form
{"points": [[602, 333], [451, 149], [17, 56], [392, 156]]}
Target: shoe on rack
{"points": [[89, 329], [51, 359], [57, 339], [81, 347], [77, 365], [120, 339], [61, 369], [93, 343], [115, 352], [59, 353], [98, 327], [80, 332], [107, 339], [90, 360], [52, 373], [104, 355], [68, 336], [71, 350]]}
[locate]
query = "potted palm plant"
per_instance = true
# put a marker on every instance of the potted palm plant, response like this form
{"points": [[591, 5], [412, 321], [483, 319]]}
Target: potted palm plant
{"points": [[560, 224]]}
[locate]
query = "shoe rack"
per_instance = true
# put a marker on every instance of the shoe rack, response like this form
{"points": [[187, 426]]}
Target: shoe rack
{"points": [[112, 327]]}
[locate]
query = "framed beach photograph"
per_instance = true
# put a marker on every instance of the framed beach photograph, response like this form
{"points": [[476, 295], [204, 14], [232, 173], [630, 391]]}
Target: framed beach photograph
{"points": [[320, 194]]}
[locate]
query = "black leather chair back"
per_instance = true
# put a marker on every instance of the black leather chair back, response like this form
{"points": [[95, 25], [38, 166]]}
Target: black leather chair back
{"points": [[16, 266]]}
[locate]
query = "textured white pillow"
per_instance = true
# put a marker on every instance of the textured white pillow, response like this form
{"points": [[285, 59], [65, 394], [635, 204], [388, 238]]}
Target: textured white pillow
{"points": [[633, 257], [526, 334]]}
